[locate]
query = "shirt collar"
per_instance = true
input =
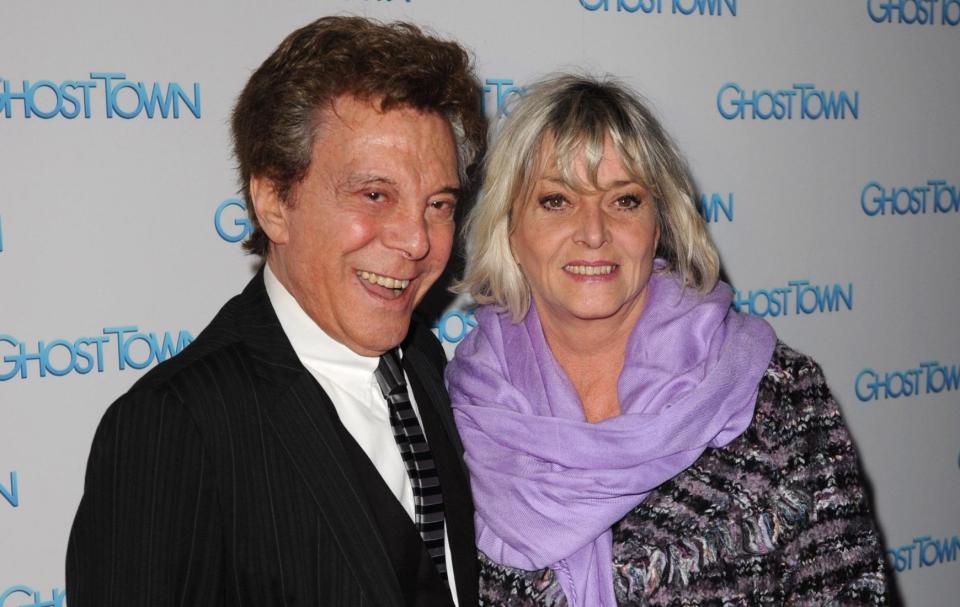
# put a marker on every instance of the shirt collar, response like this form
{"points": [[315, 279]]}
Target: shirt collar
{"points": [[315, 349]]}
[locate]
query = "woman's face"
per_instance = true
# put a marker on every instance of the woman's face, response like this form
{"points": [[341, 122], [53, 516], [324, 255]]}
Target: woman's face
{"points": [[587, 255]]}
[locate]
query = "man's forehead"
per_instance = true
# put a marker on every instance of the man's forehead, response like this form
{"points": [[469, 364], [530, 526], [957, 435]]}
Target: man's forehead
{"points": [[349, 108]]}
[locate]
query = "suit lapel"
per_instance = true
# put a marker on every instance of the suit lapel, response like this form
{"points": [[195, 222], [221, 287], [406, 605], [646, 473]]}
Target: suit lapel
{"points": [[438, 425], [295, 408]]}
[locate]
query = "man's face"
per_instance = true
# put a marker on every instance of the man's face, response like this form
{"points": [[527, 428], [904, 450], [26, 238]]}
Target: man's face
{"points": [[371, 225]]}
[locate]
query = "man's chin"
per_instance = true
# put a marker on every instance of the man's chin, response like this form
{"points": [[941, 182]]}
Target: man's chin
{"points": [[376, 338]]}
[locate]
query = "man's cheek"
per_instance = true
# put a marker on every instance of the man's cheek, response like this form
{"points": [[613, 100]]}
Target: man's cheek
{"points": [[442, 243]]}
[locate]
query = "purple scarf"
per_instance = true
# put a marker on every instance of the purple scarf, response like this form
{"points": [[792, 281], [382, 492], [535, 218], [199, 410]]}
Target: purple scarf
{"points": [[549, 485]]}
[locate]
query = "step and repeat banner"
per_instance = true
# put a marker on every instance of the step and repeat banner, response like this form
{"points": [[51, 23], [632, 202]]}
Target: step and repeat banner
{"points": [[824, 136]]}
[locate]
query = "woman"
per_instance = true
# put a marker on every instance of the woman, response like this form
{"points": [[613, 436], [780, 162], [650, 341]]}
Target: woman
{"points": [[630, 438]]}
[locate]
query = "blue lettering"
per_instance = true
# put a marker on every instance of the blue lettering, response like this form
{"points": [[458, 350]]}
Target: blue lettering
{"points": [[596, 6], [166, 348], [711, 209], [739, 302], [69, 99], [11, 359], [155, 98], [152, 350], [755, 307], [58, 99], [7, 96], [119, 332], [907, 383], [940, 188], [57, 597], [60, 357], [831, 298], [503, 89], [46, 99], [465, 322], [14, 590], [242, 222], [875, 199], [929, 552], [877, 206], [114, 99], [108, 78], [11, 494], [737, 110], [925, 543], [765, 104], [708, 7], [86, 85], [933, 371], [871, 386], [126, 348], [951, 377], [951, 13], [903, 557], [192, 105], [834, 105], [907, 11], [646, 6], [947, 549], [47, 365]]}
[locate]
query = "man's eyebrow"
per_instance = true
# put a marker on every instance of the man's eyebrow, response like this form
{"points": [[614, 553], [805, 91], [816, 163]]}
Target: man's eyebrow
{"points": [[361, 179], [357, 180], [456, 191]]}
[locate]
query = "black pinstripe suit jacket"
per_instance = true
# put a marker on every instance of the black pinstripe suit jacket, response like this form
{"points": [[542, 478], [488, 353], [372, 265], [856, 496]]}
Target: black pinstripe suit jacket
{"points": [[220, 479]]}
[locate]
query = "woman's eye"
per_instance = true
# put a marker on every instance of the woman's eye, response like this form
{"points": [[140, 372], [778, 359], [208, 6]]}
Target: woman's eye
{"points": [[553, 202], [628, 202]]}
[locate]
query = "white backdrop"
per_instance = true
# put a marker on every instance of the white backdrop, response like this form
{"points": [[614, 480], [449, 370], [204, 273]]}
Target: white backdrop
{"points": [[825, 135]]}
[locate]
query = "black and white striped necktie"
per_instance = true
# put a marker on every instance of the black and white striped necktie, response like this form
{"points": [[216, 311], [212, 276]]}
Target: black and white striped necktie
{"points": [[427, 498]]}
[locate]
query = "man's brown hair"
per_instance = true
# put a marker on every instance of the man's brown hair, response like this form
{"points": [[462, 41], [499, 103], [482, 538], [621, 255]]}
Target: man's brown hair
{"points": [[395, 64]]}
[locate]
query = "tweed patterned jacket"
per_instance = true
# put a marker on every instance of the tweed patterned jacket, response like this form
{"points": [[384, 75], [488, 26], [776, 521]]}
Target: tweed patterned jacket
{"points": [[777, 517]]}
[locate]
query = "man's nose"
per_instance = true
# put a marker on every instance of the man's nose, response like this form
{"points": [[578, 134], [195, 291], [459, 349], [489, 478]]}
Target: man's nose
{"points": [[407, 232]]}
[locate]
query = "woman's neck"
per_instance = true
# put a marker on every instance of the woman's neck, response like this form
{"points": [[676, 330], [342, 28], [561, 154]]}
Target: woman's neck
{"points": [[591, 352]]}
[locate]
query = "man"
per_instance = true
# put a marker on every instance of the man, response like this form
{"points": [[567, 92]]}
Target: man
{"points": [[281, 459]]}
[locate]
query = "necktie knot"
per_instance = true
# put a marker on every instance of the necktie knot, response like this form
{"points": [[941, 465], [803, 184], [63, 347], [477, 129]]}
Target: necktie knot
{"points": [[389, 375]]}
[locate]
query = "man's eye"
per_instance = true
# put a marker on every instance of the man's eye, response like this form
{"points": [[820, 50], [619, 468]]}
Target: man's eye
{"points": [[442, 205], [553, 202], [374, 196]]}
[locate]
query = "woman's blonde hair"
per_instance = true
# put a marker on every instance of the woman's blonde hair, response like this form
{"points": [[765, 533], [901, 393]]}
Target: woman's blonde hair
{"points": [[579, 113]]}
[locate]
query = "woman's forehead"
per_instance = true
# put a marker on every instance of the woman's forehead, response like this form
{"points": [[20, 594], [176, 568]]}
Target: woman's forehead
{"points": [[576, 162]]}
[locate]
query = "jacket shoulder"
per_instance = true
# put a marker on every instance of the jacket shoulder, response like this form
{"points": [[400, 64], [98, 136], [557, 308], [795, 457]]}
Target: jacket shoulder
{"points": [[793, 384], [218, 339]]}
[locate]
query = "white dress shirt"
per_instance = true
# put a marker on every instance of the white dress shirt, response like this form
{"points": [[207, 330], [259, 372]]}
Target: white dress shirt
{"points": [[349, 381]]}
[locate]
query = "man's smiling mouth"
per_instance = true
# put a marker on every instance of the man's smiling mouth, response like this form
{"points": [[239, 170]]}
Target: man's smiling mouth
{"points": [[397, 284]]}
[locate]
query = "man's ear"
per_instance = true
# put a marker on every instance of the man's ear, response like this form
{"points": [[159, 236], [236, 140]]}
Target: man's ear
{"points": [[269, 209]]}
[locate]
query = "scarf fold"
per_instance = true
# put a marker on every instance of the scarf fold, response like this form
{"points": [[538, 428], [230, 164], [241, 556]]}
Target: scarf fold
{"points": [[548, 485]]}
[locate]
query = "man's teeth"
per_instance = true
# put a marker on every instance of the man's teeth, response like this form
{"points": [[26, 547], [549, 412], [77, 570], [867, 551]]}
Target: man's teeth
{"points": [[589, 270], [383, 281]]}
